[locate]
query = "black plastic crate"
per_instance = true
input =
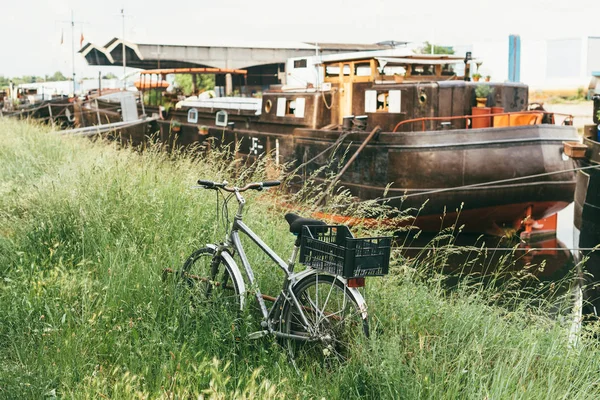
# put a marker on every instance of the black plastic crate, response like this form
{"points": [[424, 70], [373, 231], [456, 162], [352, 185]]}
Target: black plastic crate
{"points": [[333, 249]]}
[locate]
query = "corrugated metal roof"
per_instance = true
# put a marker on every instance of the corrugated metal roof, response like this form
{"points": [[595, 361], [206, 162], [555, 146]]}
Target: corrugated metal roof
{"points": [[354, 46], [206, 54]]}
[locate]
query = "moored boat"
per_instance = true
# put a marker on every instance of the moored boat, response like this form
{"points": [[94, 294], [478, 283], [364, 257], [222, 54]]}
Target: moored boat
{"points": [[419, 128]]}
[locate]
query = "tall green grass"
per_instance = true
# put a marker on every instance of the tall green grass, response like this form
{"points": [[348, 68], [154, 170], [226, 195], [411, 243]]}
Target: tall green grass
{"points": [[86, 230]]}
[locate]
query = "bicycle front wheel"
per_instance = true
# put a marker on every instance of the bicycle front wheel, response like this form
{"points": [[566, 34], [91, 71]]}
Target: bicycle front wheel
{"points": [[333, 314], [211, 279]]}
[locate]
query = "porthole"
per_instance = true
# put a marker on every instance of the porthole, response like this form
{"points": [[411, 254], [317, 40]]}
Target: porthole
{"points": [[192, 116], [268, 106], [423, 97]]}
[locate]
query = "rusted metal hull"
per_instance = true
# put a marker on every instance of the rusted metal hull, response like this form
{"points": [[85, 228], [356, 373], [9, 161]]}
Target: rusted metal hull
{"points": [[54, 111], [587, 221], [422, 166], [101, 113], [419, 164]]}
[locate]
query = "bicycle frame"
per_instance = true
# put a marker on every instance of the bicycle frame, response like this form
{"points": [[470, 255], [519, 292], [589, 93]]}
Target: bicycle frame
{"points": [[233, 241]]}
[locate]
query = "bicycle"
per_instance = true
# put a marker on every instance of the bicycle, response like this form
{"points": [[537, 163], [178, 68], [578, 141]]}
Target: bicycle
{"points": [[320, 305]]}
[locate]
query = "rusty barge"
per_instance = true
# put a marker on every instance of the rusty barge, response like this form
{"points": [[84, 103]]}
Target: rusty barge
{"points": [[489, 167]]}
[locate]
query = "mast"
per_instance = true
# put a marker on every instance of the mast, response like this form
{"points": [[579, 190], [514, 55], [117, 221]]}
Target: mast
{"points": [[73, 49], [124, 53]]}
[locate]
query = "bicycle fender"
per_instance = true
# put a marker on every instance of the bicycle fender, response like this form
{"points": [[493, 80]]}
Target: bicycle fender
{"points": [[234, 270], [353, 292]]}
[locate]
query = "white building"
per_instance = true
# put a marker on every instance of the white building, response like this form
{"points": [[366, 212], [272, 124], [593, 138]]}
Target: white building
{"points": [[554, 64]]}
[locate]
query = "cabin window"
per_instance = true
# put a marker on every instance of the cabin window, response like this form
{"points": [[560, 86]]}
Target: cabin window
{"points": [[300, 63], [192, 116], [448, 70], [423, 69], [268, 106], [394, 70], [291, 107], [346, 70], [221, 118], [362, 69], [332, 71], [381, 101]]}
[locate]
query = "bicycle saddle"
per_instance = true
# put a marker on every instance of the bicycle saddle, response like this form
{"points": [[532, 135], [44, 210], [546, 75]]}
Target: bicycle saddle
{"points": [[297, 222]]}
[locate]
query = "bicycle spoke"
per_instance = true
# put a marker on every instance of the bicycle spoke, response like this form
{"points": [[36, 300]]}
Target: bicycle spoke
{"points": [[309, 315], [332, 314], [353, 312], [325, 304], [210, 282]]}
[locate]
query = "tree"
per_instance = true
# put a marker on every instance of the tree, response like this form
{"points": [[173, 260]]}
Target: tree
{"points": [[4, 82], [57, 76], [426, 49], [27, 79], [204, 82], [110, 75]]}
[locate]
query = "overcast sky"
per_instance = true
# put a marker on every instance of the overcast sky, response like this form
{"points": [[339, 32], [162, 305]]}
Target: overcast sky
{"points": [[32, 29]]}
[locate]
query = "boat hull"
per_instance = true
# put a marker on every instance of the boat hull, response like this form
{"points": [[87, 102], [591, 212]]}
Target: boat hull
{"points": [[439, 172], [434, 172]]}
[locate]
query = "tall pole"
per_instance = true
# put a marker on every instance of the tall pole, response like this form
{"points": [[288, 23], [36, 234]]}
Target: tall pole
{"points": [[514, 58], [124, 56], [73, 49]]}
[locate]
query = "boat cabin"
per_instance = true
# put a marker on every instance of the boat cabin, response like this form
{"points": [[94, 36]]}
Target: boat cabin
{"points": [[397, 69], [396, 91], [385, 90]]}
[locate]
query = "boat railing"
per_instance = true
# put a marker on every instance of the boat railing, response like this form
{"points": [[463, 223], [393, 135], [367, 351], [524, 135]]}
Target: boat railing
{"points": [[228, 103], [568, 120]]}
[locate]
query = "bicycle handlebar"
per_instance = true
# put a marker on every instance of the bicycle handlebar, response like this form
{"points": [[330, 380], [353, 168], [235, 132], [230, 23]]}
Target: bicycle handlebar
{"points": [[271, 183], [232, 189], [207, 184]]}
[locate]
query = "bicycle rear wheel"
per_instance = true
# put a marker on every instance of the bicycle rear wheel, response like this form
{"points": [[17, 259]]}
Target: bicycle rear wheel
{"points": [[333, 315], [211, 279]]}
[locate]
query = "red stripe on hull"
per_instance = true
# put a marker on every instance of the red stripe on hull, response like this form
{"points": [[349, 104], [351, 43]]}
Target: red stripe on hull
{"points": [[489, 220]]}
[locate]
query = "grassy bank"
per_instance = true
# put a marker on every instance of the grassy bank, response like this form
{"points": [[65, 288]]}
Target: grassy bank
{"points": [[86, 230]]}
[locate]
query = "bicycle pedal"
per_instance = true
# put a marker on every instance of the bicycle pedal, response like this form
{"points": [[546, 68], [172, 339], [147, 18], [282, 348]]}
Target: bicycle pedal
{"points": [[257, 335]]}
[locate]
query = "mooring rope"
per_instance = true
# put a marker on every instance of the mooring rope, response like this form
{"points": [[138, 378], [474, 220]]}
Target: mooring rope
{"points": [[483, 184], [474, 247], [339, 140]]}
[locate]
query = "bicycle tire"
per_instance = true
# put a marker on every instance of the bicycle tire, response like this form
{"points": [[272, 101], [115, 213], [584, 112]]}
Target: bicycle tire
{"points": [[339, 328], [211, 279]]}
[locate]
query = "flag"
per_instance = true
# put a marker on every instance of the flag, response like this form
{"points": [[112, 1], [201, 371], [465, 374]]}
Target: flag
{"points": [[81, 40], [62, 36]]}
